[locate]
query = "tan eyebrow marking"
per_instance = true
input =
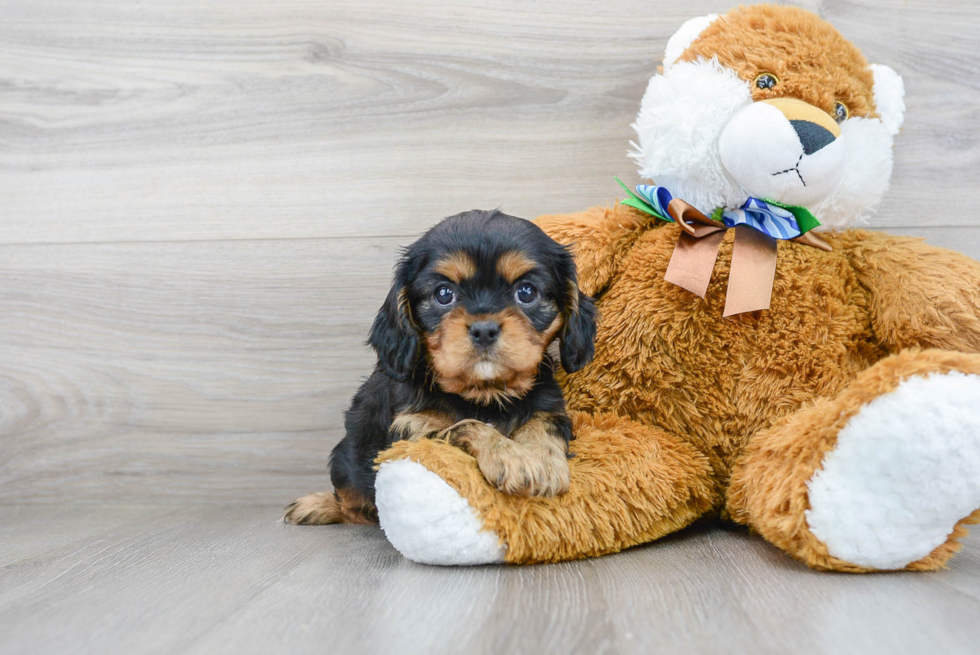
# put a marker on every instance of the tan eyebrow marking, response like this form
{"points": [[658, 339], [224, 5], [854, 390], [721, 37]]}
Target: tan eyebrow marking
{"points": [[457, 266], [513, 264]]}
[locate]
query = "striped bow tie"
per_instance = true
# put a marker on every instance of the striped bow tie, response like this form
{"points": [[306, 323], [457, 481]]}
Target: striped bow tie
{"points": [[776, 221], [758, 225]]}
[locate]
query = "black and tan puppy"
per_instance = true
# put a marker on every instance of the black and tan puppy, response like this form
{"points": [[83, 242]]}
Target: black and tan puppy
{"points": [[462, 345]]}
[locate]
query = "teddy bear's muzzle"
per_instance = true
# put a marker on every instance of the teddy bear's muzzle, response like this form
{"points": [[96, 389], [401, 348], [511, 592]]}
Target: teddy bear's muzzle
{"points": [[783, 149]]}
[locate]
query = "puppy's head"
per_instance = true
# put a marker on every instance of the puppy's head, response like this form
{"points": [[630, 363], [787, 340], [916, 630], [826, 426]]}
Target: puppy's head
{"points": [[478, 299]]}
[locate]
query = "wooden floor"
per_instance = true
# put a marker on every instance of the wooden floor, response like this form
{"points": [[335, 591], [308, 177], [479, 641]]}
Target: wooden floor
{"points": [[233, 579]]}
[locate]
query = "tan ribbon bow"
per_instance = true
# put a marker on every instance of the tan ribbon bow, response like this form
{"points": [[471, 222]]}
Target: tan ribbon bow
{"points": [[753, 266]]}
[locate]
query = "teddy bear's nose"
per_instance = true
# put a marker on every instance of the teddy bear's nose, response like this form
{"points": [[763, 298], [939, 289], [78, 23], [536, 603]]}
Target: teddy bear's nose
{"points": [[783, 149], [815, 128], [812, 136]]}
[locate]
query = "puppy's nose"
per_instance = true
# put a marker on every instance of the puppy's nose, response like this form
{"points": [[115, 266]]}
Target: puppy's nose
{"points": [[484, 333]]}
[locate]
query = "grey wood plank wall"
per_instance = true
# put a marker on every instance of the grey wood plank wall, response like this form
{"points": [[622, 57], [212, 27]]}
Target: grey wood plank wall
{"points": [[200, 202]]}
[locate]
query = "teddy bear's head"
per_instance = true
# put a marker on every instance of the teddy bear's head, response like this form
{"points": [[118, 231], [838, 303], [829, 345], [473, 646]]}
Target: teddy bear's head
{"points": [[770, 102]]}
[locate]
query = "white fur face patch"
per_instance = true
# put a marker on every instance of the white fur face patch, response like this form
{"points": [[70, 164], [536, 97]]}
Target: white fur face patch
{"points": [[765, 154], [865, 175], [904, 471], [484, 370], [681, 118]]}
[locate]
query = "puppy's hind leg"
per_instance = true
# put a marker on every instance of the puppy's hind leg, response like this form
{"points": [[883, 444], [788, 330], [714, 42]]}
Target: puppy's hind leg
{"points": [[314, 509], [324, 508]]}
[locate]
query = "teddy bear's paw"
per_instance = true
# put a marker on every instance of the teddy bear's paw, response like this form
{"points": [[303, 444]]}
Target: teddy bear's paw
{"points": [[512, 467], [428, 522], [904, 471]]}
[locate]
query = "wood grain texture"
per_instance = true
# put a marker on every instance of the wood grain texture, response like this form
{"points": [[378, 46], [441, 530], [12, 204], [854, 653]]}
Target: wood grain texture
{"points": [[231, 579], [200, 203], [200, 371], [207, 371], [248, 119]]}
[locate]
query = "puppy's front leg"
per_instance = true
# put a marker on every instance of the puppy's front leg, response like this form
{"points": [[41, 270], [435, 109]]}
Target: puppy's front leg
{"points": [[533, 463], [413, 426], [542, 437]]}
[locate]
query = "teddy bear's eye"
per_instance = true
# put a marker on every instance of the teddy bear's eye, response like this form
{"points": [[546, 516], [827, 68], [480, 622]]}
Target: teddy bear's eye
{"points": [[766, 81], [841, 112]]}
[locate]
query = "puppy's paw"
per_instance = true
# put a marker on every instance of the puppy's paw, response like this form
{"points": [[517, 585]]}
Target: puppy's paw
{"points": [[509, 466], [314, 509], [468, 433], [517, 471]]}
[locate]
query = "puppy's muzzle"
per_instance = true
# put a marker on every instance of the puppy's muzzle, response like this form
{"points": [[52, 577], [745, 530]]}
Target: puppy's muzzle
{"points": [[484, 333]]}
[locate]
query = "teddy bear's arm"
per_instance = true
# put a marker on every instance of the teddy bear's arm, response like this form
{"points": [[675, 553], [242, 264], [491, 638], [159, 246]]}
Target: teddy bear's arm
{"points": [[921, 295], [599, 237]]}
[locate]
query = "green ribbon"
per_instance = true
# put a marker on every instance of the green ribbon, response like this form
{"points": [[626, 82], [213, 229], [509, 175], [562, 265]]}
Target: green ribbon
{"points": [[636, 202]]}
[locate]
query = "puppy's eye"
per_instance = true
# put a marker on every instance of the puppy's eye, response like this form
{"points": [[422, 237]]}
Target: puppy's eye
{"points": [[444, 295], [766, 81], [526, 293], [841, 112]]}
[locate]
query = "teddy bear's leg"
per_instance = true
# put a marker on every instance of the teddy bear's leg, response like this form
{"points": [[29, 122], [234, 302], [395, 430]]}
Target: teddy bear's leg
{"points": [[630, 483], [882, 476]]}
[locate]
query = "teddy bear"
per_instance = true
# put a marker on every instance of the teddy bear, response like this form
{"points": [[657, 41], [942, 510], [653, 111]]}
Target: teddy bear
{"points": [[758, 360]]}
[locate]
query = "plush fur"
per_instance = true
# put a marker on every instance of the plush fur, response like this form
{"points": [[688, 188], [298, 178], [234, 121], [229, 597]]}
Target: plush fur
{"points": [[432, 523], [889, 490], [684, 413], [630, 483], [686, 109], [840, 424], [682, 39]]}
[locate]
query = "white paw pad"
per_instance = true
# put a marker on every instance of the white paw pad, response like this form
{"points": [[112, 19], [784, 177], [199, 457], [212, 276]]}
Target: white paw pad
{"points": [[428, 522], [904, 471]]}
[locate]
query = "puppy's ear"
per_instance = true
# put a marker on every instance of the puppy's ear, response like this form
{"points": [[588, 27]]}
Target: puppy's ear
{"points": [[578, 334], [394, 335]]}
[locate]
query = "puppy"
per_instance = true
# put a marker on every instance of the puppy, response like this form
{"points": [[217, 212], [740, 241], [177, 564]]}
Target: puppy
{"points": [[462, 343]]}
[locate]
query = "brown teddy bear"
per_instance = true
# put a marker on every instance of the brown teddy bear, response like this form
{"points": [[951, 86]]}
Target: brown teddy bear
{"points": [[821, 387]]}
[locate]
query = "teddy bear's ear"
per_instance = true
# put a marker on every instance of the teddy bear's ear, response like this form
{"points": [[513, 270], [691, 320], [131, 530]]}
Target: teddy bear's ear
{"points": [[684, 37], [889, 97]]}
